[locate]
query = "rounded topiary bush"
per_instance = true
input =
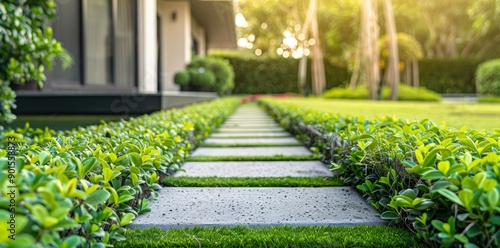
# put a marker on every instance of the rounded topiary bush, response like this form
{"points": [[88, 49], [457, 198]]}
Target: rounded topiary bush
{"points": [[202, 78], [182, 77], [488, 78]]}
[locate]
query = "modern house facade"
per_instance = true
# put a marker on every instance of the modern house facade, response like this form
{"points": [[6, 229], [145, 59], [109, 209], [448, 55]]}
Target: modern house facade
{"points": [[129, 50]]}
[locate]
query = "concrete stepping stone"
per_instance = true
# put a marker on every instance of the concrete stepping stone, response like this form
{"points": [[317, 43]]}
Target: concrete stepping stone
{"points": [[250, 130], [250, 135], [251, 151], [255, 169], [244, 141], [262, 121], [257, 207], [250, 125]]}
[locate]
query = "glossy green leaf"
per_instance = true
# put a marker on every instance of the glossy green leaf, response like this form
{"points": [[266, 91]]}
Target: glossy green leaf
{"points": [[451, 196], [389, 215], [126, 219], [97, 197]]}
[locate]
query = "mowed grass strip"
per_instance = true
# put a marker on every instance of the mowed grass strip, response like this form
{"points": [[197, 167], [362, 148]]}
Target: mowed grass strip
{"points": [[249, 145], [253, 158], [282, 236], [457, 114], [252, 182]]}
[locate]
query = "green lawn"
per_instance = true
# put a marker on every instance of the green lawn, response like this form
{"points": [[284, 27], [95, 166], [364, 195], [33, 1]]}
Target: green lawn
{"points": [[473, 115], [280, 236]]}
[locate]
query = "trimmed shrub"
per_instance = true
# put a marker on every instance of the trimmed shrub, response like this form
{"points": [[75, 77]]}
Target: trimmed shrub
{"points": [[203, 78], [279, 75], [449, 75], [406, 93], [207, 73], [441, 183], [488, 78], [79, 188], [182, 77]]}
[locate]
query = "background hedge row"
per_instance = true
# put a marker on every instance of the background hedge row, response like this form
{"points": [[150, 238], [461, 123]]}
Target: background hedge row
{"points": [[279, 75]]}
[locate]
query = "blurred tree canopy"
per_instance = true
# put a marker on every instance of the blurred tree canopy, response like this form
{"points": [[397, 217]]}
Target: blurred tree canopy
{"points": [[444, 29]]}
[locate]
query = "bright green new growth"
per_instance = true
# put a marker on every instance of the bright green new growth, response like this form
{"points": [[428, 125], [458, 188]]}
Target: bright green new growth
{"points": [[252, 182], [281, 236]]}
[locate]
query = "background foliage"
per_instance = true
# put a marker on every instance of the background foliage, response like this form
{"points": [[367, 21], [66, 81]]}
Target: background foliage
{"points": [[27, 47], [254, 75]]}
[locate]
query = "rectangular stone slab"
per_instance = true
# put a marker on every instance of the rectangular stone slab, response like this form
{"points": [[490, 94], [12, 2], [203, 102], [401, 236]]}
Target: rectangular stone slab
{"points": [[251, 151], [257, 207], [250, 125], [255, 169], [244, 141], [250, 130], [262, 121], [250, 135]]}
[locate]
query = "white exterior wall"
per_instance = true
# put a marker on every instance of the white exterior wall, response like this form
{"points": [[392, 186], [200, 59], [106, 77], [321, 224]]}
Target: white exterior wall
{"points": [[147, 55], [176, 39], [199, 33]]}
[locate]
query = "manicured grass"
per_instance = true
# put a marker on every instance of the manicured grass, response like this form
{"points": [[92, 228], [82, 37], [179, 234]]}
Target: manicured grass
{"points": [[473, 115], [252, 182], [284, 236], [250, 145], [253, 158], [489, 99]]}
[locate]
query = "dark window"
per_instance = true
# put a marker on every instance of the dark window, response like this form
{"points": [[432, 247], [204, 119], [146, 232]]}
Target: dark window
{"points": [[105, 34], [98, 42]]}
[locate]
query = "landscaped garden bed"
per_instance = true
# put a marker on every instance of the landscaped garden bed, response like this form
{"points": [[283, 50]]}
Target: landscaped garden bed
{"points": [[441, 183], [83, 186]]}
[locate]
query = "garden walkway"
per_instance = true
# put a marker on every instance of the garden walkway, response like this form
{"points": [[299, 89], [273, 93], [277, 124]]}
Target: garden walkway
{"points": [[250, 132]]}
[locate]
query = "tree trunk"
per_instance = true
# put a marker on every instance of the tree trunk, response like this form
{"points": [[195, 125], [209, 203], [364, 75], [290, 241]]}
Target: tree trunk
{"points": [[408, 73], [355, 70], [416, 76], [318, 67], [393, 60], [302, 75], [369, 49]]}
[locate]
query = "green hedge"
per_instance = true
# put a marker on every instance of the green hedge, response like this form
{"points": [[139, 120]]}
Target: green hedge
{"points": [[488, 78], [79, 188], [442, 183], [279, 75], [449, 75]]}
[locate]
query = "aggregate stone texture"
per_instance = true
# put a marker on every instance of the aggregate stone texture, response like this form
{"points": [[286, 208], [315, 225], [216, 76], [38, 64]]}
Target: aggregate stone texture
{"points": [[257, 207], [255, 169], [250, 135], [251, 151], [244, 141]]}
